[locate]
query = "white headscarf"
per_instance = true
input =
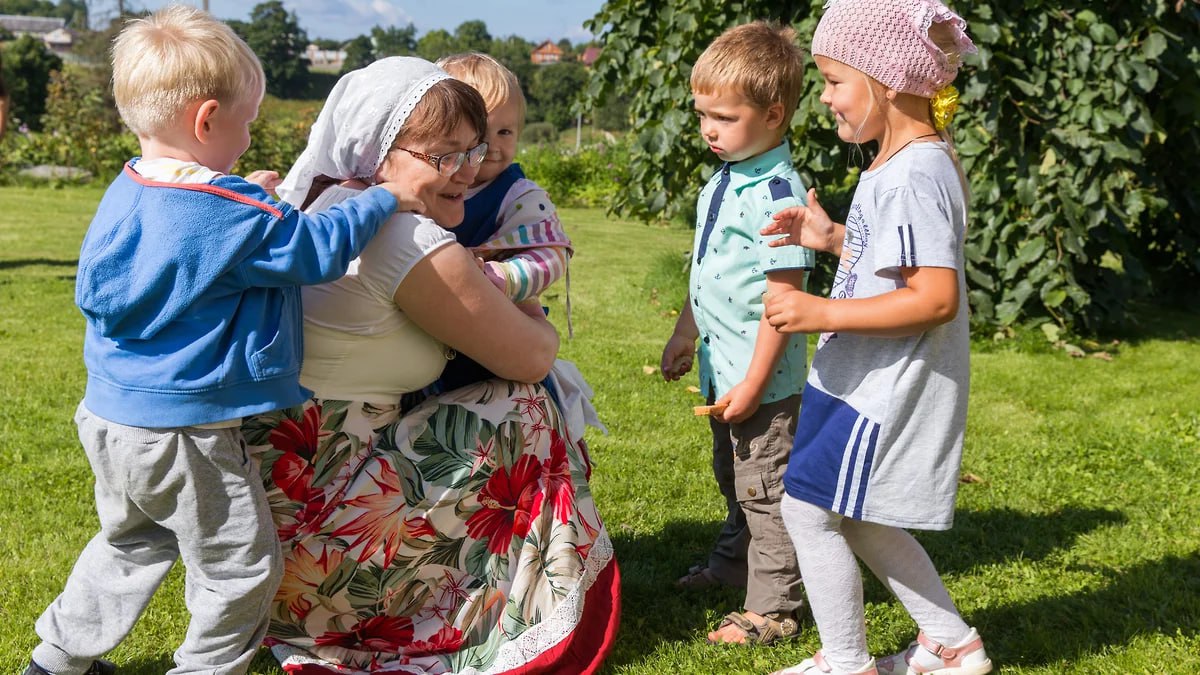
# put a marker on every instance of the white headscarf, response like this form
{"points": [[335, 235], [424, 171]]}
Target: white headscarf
{"points": [[359, 122]]}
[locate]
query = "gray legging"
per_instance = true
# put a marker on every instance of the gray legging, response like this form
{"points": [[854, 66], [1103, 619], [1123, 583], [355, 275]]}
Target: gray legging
{"points": [[826, 543]]}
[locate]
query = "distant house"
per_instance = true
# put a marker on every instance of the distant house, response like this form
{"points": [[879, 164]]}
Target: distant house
{"points": [[324, 59], [37, 26], [589, 56], [546, 53], [52, 31], [59, 41]]}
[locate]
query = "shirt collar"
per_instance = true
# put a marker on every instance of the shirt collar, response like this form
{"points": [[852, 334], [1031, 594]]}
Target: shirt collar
{"points": [[755, 168]]}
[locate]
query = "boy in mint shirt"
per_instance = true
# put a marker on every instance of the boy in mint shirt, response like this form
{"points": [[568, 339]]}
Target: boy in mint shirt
{"points": [[746, 86]]}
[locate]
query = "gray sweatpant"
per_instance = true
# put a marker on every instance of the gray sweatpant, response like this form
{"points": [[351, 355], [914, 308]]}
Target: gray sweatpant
{"points": [[753, 548], [163, 494]]}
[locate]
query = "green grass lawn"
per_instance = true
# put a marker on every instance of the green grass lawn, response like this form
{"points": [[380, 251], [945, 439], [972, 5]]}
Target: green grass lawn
{"points": [[1077, 549]]}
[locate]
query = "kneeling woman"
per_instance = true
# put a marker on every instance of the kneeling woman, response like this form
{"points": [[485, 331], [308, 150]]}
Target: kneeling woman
{"points": [[459, 536]]}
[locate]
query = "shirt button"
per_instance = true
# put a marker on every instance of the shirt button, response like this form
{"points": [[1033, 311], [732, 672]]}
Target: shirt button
{"points": [[752, 492]]}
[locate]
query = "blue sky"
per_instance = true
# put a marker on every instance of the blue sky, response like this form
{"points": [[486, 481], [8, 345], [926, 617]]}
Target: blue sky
{"points": [[534, 20]]}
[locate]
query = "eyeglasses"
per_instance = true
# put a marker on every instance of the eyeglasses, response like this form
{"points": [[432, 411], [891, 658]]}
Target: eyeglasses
{"points": [[449, 163]]}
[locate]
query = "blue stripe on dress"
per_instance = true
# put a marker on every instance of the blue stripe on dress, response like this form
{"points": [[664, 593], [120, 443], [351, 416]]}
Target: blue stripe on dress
{"points": [[864, 475], [849, 460], [831, 439]]}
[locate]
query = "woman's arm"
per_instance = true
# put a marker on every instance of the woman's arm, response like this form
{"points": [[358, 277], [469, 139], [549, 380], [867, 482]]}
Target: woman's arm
{"points": [[449, 297]]}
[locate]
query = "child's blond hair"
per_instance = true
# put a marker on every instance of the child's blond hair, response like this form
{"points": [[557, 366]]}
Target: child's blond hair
{"points": [[760, 61], [173, 57], [496, 83]]}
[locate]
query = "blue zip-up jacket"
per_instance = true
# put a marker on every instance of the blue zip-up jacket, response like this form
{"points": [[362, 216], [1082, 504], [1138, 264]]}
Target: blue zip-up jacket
{"points": [[191, 295]]}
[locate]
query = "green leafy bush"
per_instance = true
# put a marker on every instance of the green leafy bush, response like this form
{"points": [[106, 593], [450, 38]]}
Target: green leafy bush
{"points": [[278, 136], [537, 133], [27, 68], [1077, 131], [591, 176], [81, 128]]}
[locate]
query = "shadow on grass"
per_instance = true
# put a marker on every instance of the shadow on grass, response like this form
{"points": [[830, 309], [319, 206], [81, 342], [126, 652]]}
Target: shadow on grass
{"points": [[1158, 322], [997, 535], [654, 611], [37, 262], [263, 663], [1157, 597]]}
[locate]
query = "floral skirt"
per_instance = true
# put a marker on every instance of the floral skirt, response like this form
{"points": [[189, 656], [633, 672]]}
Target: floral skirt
{"points": [[459, 537]]}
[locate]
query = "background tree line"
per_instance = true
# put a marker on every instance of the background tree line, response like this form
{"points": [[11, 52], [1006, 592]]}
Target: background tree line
{"points": [[276, 36], [74, 11]]}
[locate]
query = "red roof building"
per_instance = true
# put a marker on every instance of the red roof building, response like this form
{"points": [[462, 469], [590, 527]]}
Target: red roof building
{"points": [[545, 53], [589, 56]]}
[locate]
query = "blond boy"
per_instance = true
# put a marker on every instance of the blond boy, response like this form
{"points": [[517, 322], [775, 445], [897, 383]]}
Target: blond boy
{"points": [[746, 86], [188, 279], [510, 223]]}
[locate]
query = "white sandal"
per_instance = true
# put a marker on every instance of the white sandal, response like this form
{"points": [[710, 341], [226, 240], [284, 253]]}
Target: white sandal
{"points": [[927, 657], [817, 665]]}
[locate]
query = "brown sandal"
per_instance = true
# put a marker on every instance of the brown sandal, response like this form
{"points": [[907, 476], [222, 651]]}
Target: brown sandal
{"points": [[772, 627], [698, 576]]}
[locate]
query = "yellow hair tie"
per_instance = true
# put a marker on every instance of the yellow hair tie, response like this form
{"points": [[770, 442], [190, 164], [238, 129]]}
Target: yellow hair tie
{"points": [[943, 106]]}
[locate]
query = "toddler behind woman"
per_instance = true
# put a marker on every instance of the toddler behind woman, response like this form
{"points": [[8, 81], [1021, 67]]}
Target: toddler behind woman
{"points": [[510, 223]]}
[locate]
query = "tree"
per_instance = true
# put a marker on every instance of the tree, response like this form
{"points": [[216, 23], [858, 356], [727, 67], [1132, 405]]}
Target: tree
{"points": [[327, 44], [74, 11], [513, 51], [568, 50], [1076, 128], [435, 44], [613, 115], [472, 36], [27, 68], [359, 54], [394, 41], [275, 35], [555, 90]]}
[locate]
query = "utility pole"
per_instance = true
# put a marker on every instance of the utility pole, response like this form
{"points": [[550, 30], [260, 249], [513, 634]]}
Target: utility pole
{"points": [[206, 6]]}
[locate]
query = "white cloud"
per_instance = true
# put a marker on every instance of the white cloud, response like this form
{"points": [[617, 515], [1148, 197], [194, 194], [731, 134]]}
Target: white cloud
{"points": [[346, 19], [578, 34]]}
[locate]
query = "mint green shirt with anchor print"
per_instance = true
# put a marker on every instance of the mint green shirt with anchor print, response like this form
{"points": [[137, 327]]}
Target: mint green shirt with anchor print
{"points": [[730, 261]]}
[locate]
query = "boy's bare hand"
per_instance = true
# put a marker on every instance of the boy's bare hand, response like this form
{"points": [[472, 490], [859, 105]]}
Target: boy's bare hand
{"points": [[808, 226], [405, 199], [796, 312], [677, 357], [268, 180], [740, 402]]}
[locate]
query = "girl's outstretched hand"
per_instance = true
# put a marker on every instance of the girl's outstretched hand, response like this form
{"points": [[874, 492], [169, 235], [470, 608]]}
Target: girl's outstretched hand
{"points": [[797, 312], [808, 226]]}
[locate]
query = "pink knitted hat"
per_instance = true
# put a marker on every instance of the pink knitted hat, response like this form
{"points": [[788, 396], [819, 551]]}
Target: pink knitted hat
{"points": [[889, 40]]}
